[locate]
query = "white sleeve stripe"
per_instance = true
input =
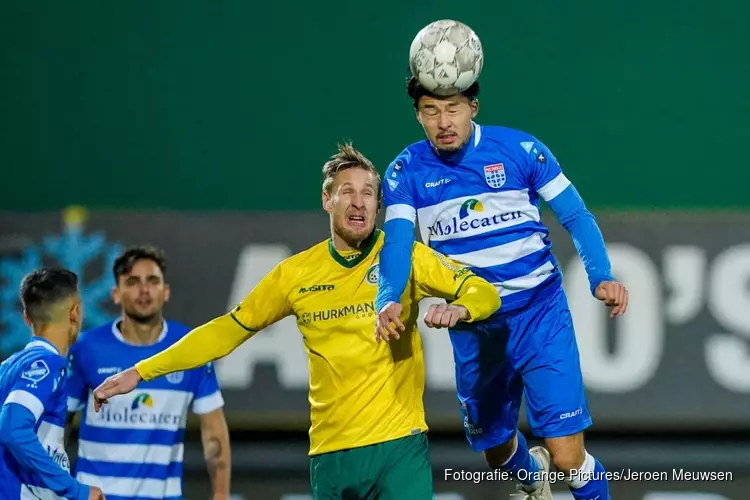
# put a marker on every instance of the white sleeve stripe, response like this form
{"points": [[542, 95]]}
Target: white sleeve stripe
{"points": [[401, 211], [554, 187], [28, 401], [74, 405], [207, 404]]}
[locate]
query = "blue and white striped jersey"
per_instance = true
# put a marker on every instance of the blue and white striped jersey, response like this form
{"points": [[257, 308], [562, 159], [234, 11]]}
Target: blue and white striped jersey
{"points": [[133, 448], [480, 207], [34, 378]]}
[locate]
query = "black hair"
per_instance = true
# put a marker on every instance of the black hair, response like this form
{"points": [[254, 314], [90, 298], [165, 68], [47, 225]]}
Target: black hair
{"points": [[127, 259], [415, 90], [43, 289]]}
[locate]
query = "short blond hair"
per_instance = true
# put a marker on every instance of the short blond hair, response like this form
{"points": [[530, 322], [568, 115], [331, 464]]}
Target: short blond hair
{"points": [[347, 157]]}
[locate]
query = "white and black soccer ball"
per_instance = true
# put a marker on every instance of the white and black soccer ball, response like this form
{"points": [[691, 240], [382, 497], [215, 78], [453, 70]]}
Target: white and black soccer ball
{"points": [[446, 57]]}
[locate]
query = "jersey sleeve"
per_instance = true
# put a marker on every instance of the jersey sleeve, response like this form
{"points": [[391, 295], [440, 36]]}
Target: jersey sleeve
{"points": [[436, 275], [39, 379], [546, 177], [398, 197], [400, 216], [266, 304], [207, 394], [548, 180], [76, 387]]}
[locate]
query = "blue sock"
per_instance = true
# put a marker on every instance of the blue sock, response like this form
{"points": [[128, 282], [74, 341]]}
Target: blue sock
{"points": [[521, 464], [590, 481]]}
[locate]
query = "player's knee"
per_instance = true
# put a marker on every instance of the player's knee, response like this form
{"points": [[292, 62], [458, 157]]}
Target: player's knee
{"points": [[500, 454], [568, 453]]}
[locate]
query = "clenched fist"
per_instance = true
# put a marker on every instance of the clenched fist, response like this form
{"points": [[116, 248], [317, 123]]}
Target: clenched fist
{"points": [[445, 315], [614, 295]]}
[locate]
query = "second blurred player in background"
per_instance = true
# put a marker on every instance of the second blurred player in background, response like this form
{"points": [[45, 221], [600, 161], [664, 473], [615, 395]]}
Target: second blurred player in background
{"points": [[134, 448]]}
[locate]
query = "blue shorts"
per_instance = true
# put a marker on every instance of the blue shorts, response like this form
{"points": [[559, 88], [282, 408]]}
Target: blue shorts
{"points": [[530, 352]]}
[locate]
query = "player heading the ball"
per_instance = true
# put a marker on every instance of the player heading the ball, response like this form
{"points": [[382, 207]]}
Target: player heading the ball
{"points": [[475, 191]]}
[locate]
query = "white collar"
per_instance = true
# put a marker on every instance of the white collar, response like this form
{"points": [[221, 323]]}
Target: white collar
{"points": [[118, 334]]}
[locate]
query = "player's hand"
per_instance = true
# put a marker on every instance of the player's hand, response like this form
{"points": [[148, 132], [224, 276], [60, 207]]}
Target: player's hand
{"points": [[96, 494], [121, 383], [388, 317], [613, 294], [444, 315]]}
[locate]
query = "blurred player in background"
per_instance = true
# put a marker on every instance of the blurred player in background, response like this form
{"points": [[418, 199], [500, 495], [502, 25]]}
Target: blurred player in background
{"points": [[134, 449], [367, 439], [33, 462], [476, 191]]}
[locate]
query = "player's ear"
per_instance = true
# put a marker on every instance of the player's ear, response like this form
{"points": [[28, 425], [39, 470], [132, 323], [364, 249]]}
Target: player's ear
{"points": [[26, 319], [76, 313], [327, 202], [116, 295], [474, 108], [167, 292]]}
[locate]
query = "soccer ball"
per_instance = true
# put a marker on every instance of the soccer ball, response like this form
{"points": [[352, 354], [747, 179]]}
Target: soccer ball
{"points": [[446, 57]]}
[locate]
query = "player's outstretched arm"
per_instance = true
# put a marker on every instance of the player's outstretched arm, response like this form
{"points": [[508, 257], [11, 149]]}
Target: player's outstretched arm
{"points": [[479, 297], [469, 298], [264, 306], [553, 186], [18, 418], [395, 256], [573, 215]]}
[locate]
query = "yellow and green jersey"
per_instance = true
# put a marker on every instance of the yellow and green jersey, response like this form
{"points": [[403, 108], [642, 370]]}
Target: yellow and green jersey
{"points": [[361, 392]]}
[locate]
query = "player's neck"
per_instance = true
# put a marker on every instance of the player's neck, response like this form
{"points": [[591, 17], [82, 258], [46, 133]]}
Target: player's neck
{"points": [[341, 245], [138, 333], [56, 335]]}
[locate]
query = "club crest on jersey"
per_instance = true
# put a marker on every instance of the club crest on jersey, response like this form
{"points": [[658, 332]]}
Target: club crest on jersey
{"points": [[176, 377], [372, 274], [37, 372], [494, 175]]}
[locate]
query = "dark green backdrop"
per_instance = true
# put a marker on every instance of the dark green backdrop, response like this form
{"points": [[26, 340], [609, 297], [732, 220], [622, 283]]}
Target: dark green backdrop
{"points": [[235, 104]]}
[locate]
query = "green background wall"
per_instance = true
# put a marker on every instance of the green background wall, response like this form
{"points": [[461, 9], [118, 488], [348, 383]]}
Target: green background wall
{"points": [[235, 104]]}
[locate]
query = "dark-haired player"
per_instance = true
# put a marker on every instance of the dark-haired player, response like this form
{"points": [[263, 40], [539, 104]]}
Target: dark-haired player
{"points": [[475, 191], [33, 462], [134, 449]]}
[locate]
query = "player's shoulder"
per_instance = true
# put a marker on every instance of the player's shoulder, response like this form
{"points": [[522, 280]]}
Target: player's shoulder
{"points": [[38, 362], [408, 159], [303, 257], [513, 141], [304, 260]]}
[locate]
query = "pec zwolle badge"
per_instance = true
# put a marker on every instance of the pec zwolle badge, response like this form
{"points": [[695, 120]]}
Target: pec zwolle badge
{"points": [[494, 175]]}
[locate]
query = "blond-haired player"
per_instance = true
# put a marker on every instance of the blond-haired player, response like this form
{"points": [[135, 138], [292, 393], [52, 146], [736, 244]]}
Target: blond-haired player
{"points": [[367, 438]]}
